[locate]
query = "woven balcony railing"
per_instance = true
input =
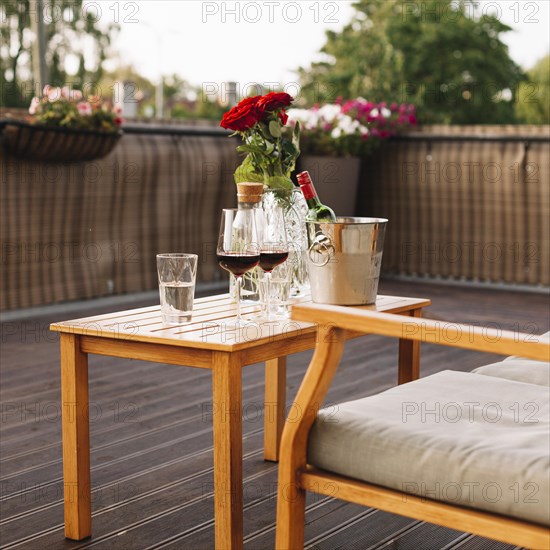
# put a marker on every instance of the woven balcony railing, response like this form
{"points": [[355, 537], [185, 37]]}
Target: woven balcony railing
{"points": [[466, 203]]}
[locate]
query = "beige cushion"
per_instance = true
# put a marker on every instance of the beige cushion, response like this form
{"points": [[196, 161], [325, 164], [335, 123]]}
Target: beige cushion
{"points": [[520, 369], [470, 440]]}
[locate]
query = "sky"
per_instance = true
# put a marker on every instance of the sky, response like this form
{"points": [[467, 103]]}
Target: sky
{"points": [[211, 42]]}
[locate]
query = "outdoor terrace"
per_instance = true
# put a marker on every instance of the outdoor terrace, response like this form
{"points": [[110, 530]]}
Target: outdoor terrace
{"points": [[151, 436]]}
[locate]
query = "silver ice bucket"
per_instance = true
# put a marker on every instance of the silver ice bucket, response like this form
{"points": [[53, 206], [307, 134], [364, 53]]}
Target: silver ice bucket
{"points": [[344, 260]]}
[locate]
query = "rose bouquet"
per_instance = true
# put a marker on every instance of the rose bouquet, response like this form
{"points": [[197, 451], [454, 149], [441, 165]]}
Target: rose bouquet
{"points": [[270, 157], [63, 107], [350, 128]]}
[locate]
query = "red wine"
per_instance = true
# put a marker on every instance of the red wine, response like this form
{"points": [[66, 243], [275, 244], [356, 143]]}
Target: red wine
{"points": [[238, 263], [269, 260]]}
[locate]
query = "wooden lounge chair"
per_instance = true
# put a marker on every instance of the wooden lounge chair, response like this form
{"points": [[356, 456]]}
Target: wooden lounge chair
{"points": [[380, 451]]}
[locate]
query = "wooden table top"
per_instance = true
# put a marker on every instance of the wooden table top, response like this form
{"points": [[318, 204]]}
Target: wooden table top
{"points": [[212, 325]]}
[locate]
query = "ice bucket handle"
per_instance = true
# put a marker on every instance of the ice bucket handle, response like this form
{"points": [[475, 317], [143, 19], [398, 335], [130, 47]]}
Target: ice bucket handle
{"points": [[321, 250]]}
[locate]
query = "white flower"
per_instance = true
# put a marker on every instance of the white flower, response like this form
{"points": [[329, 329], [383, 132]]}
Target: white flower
{"points": [[386, 113], [329, 112], [336, 133], [374, 112], [308, 119], [34, 105]]}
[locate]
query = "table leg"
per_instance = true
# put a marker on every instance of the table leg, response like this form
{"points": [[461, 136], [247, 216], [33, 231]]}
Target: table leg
{"points": [[76, 439], [274, 406], [228, 456], [409, 356]]}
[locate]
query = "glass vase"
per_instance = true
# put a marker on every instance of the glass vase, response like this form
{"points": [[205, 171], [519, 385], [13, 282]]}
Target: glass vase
{"points": [[295, 210]]}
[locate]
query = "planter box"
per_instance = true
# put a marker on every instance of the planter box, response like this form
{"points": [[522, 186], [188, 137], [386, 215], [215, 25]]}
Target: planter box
{"points": [[336, 180]]}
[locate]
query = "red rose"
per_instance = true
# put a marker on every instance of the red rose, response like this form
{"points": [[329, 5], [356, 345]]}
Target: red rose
{"points": [[283, 116], [273, 101], [243, 116]]}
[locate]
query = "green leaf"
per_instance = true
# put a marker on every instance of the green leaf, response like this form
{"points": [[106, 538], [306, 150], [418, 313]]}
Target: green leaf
{"points": [[290, 148], [249, 149], [246, 172], [279, 182], [275, 129]]}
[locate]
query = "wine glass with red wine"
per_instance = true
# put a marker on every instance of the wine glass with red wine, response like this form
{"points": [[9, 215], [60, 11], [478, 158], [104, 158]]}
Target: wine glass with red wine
{"points": [[238, 246], [273, 248]]}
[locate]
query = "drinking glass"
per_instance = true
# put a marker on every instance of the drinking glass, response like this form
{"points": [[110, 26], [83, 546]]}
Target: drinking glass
{"points": [[238, 247], [177, 274], [273, 249]]}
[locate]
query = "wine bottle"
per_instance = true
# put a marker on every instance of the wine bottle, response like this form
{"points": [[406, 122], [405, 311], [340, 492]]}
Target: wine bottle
{"points": [[317, 211]]}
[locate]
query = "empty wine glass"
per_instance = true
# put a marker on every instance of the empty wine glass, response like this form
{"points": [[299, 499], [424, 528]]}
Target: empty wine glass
{"points": [[273, 248], [238, 250]]}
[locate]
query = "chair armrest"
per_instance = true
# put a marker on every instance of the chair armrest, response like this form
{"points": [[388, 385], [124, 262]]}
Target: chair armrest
{"points": [[492, 340]]}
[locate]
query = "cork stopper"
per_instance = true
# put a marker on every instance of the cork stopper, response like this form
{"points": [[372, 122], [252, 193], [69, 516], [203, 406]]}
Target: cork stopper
{"points": [[250, 192]]}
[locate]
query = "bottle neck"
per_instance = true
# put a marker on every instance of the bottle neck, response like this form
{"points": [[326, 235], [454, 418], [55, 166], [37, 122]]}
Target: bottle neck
{"points": [[310, 194]]}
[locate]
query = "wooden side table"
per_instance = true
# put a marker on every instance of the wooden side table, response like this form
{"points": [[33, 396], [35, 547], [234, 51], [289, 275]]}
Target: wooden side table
{"points": [[210, 341]]}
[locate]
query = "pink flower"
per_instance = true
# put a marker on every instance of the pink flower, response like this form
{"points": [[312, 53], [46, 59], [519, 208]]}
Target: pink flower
{"points": [[46, 89], [34, 105], [66, 92], [75, 95], [84, 108], [119, 120], [412, 119], [54, 94]]}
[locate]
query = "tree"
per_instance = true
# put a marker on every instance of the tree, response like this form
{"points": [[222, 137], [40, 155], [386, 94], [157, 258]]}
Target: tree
{"points": [[72, 34], [533, 102], [439, 54]]}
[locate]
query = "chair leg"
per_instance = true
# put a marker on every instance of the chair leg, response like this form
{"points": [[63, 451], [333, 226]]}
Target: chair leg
{"points": [[291, 512]]}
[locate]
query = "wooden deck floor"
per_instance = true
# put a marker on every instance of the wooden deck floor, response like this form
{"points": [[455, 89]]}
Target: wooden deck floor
{"points": [[151, 437]]}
